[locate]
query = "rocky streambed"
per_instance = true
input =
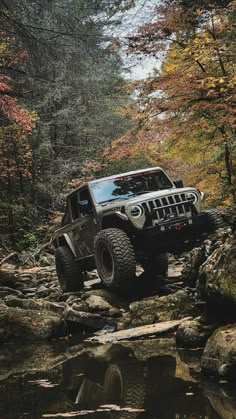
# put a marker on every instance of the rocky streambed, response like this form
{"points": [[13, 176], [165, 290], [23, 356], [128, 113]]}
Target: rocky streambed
{"points": [[198, 299]]}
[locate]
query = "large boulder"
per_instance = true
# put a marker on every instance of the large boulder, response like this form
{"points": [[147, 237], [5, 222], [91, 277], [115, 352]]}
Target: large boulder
{"points": [[221, 398], [217, 278], [153, 309], [219, 356], [25, 325]]}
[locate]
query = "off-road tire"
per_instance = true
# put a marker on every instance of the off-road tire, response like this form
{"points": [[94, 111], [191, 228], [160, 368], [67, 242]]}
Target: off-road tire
{"points": [[115, 258], [215, 219], [124, 385], [69, 272], [156, 264]]}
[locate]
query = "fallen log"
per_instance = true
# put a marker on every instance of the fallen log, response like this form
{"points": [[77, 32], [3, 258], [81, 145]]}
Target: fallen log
{"points": [[137, 332], [7, 258]]}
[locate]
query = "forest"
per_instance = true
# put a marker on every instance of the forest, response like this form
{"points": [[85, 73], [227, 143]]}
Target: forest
{"points": [[70, 111], [119, 299]]}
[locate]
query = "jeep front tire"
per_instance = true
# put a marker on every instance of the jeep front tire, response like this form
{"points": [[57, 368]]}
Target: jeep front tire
{"points": [[215, 219], [69, 272], [115, 258]]}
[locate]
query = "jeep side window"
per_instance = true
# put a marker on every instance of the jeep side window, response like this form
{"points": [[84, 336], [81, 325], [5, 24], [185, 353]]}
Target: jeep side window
{"points": [[74, 200], [66, 217], [85, 198]]}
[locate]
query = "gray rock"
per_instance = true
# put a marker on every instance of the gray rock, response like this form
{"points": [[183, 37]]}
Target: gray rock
{"points": [[95, 302], [217, 277], [196, 258], [42, 292], [112, 298], [219, 356], [150, 310], [221, 397], [193, 333]]}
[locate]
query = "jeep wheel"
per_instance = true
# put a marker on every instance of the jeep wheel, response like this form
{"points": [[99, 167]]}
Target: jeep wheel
{"points": [[215, 219], [69, 271], [115, 258], [156, 264]]}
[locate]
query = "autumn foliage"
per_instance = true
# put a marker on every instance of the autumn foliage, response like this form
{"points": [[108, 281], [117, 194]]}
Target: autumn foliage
{"points": [[191, 99], [16, 127], [16, 122], [185, 111]]}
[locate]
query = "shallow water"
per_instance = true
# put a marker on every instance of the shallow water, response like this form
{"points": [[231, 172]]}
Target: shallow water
{"points": [[142, 379]]}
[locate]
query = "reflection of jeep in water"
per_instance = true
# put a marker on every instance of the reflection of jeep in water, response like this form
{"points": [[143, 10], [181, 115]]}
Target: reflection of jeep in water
{"points": [[117, 221]]}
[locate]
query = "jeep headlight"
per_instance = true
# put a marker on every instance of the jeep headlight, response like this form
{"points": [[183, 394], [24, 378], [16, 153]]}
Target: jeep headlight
{"points": [[192, 197], [136, 211]]}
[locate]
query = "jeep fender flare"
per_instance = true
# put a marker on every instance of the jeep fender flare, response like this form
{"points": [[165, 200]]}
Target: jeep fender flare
{"points": [[63, 240], [114, 219]]}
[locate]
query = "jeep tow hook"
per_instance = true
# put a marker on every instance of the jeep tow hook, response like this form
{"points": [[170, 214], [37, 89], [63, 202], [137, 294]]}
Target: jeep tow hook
{"points": [[177, 226]]}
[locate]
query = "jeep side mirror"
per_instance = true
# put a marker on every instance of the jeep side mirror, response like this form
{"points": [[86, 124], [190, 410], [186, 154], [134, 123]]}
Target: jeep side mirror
{"points": [[178, 183], [85, 207]]}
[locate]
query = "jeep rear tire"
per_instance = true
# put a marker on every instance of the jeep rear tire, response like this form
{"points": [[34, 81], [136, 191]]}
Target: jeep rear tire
{"points": [[156, 264], [115, 258], [69, 272]]}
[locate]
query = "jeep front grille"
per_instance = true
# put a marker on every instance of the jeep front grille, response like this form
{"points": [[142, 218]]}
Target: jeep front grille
{"points": [[173, 204]]}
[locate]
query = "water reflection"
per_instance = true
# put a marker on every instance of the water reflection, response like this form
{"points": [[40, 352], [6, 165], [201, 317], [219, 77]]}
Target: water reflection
{"points": [[142, 379]]}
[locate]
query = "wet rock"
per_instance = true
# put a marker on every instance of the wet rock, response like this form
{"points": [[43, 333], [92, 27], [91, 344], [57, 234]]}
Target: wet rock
{"points": [[150, 348], [221, 397], [193, 333], [95, 302], [150, 310], [17, 324], [219, 356], [84, 319], [217, 279], [33, 304]]}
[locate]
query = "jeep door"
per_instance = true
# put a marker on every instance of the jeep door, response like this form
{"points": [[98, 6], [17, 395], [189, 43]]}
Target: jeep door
{"points": [[84, 227]]}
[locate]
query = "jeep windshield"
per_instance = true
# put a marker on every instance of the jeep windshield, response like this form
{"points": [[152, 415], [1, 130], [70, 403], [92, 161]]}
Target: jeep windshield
{"points": [[126, 186]]}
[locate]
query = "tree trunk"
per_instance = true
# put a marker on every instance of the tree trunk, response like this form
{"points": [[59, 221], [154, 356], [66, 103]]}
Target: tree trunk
{"points": [[228, 163]]}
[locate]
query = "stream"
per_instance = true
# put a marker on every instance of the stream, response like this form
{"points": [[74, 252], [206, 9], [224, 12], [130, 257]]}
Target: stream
{"points": [[138, 379]]}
